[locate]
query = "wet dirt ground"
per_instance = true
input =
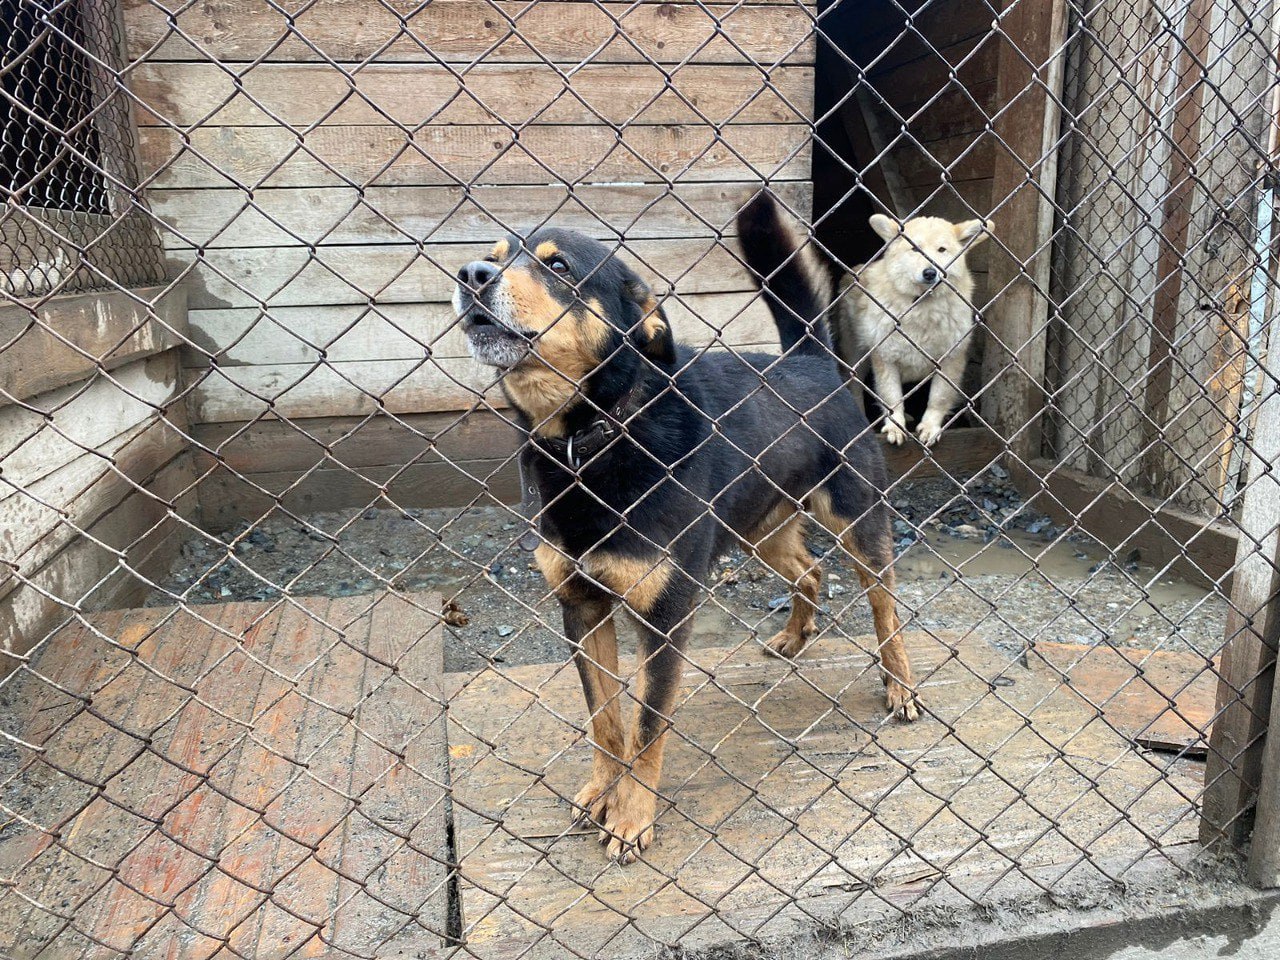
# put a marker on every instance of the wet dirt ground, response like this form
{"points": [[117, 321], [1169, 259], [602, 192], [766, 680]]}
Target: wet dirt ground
{"points": [[972, 557]]}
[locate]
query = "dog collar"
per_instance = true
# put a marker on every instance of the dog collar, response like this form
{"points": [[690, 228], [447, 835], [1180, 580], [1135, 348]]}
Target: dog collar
{"points": [[581, 445]]}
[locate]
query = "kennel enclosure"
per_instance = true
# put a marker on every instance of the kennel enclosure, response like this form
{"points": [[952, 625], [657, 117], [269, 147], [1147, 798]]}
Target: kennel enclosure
{"points": [[280, 680]]}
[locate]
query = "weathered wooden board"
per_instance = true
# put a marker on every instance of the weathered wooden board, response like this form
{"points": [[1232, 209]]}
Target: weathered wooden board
{"points": [[286, 217], [426, 460], [348, 387], [403, 95], [227, 498], [39, 520], [220, 807], [464, 31], [271, 445], [786, 782], [250, 336], [65, 423], [387, 155], [124, 550], [407, 273], [68, 338], [1158, 699]]}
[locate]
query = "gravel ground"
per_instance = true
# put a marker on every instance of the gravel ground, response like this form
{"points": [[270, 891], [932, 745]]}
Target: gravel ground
{"points": [[973, 557]]}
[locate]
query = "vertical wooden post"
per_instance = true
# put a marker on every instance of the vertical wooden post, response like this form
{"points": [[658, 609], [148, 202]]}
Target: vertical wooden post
{"points": [[1024, 178], [1233, 769]]}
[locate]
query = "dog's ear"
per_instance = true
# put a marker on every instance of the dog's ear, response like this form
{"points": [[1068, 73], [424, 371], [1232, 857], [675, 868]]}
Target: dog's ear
{"points": [[886, 228], [973, 232], [650, 330]]}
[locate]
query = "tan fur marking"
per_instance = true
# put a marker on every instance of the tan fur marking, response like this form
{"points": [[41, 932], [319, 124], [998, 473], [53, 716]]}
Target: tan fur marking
{"points": [[638, 582], [555, 566], [780, 544], [500, 250], [569, 346], [546, 249]]}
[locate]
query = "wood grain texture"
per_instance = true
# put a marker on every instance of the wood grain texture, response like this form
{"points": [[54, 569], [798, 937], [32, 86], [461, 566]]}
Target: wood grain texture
{"points": [[1246, 694], [1024, 177], [734, 772], [270, 94], [237, 338], [463, 31], [67, 338], [222, 219], [407, 273], [63, 424], [221, 807], [386, 155]]}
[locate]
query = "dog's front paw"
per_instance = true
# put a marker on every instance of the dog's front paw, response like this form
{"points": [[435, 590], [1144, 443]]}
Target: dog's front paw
{"points": [[894, 433], [900, 701], [591, 805], [628, 824], [929, 432]]}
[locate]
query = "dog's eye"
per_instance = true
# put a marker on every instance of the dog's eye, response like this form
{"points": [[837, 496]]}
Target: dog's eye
{"points": [[491, 259], [558, 266], [942, 249]]}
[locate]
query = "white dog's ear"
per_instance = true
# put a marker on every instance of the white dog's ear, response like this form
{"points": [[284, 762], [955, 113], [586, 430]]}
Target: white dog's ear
{"points": [[973, 232], [886, 227]]}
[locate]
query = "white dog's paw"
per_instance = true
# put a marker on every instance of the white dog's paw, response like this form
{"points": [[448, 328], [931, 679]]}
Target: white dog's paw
{"points": [[893, 433], [929, 432]]}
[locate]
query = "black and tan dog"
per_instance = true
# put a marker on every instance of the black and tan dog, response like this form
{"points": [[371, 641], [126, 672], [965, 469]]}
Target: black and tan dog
{"points": [[652, 461]]}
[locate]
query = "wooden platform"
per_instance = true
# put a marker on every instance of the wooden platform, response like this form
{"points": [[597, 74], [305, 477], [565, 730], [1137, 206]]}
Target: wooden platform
{"points": [[271, 781], [281, 781], [795, 801]]}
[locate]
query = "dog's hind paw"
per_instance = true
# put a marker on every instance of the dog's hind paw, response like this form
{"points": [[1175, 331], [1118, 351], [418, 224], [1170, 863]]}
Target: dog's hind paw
{"points": [[894, 434], [901, 702]]}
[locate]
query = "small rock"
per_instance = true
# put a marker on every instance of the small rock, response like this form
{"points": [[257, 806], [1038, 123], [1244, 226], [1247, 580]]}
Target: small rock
{"points": [[999, 472], [506, 630], [780, 603]]}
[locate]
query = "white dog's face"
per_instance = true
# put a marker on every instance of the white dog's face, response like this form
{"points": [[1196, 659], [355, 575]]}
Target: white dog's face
{"points": [[926, 252]]}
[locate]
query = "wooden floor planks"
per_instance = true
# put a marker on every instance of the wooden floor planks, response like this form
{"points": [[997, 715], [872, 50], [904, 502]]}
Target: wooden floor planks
{"points": [[262, 779], [762, 830], [279, 781]]}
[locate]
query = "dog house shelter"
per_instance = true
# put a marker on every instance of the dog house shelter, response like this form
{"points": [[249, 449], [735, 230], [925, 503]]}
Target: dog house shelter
{"points": [[281, 677]]}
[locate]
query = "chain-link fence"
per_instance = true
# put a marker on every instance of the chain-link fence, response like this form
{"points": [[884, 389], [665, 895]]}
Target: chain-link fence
{"points": [[342, 416]]}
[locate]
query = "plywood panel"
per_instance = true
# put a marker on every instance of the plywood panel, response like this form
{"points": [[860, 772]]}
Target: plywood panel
{"points": [[251, 336], [284, 217], [401, 95], [387, 155], [462, 31], [407, 273]]}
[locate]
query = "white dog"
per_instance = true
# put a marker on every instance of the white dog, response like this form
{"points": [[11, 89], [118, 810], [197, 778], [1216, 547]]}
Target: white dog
{"points": [[912, 310]]}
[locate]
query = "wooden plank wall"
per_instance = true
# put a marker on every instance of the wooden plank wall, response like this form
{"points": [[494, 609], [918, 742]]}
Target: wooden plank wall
{"points": [[1165, 100], [96, 467], [384, 144]]}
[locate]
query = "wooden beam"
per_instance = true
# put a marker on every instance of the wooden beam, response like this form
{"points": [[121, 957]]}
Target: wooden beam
{"points": [[1197, 548], [1024, 174], [107, 330], [1235, 765]]}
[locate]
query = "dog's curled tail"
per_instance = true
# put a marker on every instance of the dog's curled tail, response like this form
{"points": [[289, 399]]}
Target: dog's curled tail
{"points": [[790, 283]]}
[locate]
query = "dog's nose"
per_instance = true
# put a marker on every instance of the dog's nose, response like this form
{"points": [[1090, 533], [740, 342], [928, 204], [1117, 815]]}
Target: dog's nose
{"points": [[930, 275], [477, 273]]}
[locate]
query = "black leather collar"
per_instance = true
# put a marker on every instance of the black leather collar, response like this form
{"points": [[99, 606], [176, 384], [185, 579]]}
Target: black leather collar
{"points": [[581, 445]]}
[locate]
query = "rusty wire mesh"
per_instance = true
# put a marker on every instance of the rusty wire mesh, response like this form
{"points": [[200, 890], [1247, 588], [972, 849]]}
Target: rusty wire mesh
{"points": [[283, 678]]}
